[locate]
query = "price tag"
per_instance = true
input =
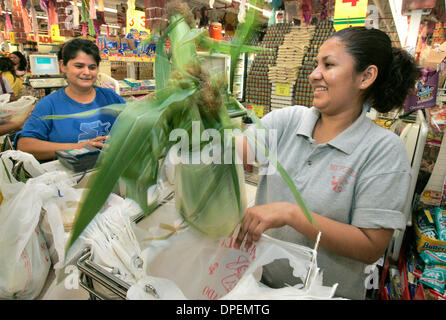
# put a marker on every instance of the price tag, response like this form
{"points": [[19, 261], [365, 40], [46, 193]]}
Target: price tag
{"points": [[258, 110], [283, 89], [349, 13], [137, 21], [11, 36], [55, 32]]}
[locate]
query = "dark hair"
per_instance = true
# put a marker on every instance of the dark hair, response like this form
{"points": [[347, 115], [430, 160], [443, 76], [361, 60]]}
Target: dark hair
{"points": [[22, 63], [7, 65], [70, 49], [397, 70]]}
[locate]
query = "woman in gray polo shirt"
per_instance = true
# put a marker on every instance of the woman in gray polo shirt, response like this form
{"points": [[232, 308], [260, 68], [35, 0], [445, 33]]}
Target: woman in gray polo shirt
{"points": [[353, 175]]}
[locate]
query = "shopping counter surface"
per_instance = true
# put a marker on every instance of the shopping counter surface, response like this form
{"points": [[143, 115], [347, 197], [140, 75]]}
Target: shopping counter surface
{"points": [[69, 288]]}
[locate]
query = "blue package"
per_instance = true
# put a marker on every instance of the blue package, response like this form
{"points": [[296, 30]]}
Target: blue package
{"points": [[440, 222]]}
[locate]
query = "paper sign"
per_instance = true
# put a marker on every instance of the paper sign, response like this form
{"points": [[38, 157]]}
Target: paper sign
{"points": [[55, 32], [349, 13], [137, 21], [283, 89], [258, 110]]}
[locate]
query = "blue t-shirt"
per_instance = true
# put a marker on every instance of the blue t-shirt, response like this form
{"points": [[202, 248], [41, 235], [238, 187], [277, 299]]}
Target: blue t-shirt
{"points": [[70, 130]]}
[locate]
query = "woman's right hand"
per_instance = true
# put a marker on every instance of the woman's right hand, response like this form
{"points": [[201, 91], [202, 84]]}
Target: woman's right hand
{"points": [[97, 142]]}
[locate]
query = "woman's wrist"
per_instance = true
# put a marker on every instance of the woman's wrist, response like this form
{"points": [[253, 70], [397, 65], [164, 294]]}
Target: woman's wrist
{"points": [[293, 215]]}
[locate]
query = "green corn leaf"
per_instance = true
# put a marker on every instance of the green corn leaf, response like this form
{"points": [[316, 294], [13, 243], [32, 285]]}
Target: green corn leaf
{"points": [[182, 52], [122, 150], [162, 62], [7, 172], [112, 162], [243, 33]]}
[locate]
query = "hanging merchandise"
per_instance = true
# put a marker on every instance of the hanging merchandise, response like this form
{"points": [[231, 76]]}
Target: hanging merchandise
{"points": [[8, 23], [8, 5], [65, 11], [92, 9], [52, 14], [84, 29], [34, 25], [85, 18], [25, 17], [17, 24], [75, 15], [307, 10]]}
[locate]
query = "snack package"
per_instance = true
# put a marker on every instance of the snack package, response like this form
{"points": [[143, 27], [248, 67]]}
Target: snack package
{"points": [[437, 118], [434, 277], [440, 223], [433, 257], [425, 95], [426, 224]]}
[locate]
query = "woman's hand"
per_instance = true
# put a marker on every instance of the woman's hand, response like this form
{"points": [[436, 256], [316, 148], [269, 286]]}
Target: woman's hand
{"points": [[258, 219], [97, 142]]}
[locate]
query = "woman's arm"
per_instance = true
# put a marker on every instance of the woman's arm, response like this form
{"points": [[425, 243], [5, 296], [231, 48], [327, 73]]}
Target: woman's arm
{"points": [[366, 245], [45, 150], [9, 126]]}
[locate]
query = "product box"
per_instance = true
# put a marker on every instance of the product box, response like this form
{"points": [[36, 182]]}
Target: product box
{"points": [[425, 95], [425, 242], [436, 57]]}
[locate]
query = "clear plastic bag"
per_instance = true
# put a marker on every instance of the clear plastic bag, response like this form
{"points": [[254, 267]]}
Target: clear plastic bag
{"points": [[210, 197]]}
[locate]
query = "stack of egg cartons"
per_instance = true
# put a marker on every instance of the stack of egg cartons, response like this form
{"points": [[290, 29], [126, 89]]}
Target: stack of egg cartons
{"points": [[290, 54], [258, 88], [303, 93]]}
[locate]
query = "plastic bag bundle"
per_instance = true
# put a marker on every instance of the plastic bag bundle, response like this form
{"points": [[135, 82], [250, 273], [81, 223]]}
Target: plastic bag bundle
{"points": [[112, 241]]}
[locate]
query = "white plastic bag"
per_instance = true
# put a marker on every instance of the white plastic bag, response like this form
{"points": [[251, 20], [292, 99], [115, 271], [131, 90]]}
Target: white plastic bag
{"points": [[25, 261], [18, 109], [205, 269], [111, 240]]}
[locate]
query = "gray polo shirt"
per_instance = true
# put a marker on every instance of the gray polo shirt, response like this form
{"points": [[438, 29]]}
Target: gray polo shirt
{"points": [[361, 177]]}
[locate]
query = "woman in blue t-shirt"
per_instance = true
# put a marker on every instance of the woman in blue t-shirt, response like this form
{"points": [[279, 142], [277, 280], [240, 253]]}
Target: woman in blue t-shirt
{"points": [[41, 137]]}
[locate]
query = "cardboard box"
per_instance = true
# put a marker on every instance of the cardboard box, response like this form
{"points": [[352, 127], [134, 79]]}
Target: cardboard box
{"points": [[435, 57]]}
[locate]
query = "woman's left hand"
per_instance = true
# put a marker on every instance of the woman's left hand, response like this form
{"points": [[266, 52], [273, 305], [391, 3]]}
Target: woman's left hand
{"points": [[257, 219]]}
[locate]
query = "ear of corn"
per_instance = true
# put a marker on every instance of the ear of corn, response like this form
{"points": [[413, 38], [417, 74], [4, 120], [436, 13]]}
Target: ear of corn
{"points": [[210, 197]]}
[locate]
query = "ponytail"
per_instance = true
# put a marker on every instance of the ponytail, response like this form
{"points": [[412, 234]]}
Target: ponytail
{"points": [[392, 90]]}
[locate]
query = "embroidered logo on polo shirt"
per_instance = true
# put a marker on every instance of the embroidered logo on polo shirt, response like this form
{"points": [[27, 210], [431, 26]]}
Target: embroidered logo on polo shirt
{"points": [[340, 176]]}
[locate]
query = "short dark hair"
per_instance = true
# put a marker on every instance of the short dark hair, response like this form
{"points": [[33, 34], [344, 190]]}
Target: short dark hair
{"points": [[397, 69], [23, 63], [6, 64], [70, 49]]}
